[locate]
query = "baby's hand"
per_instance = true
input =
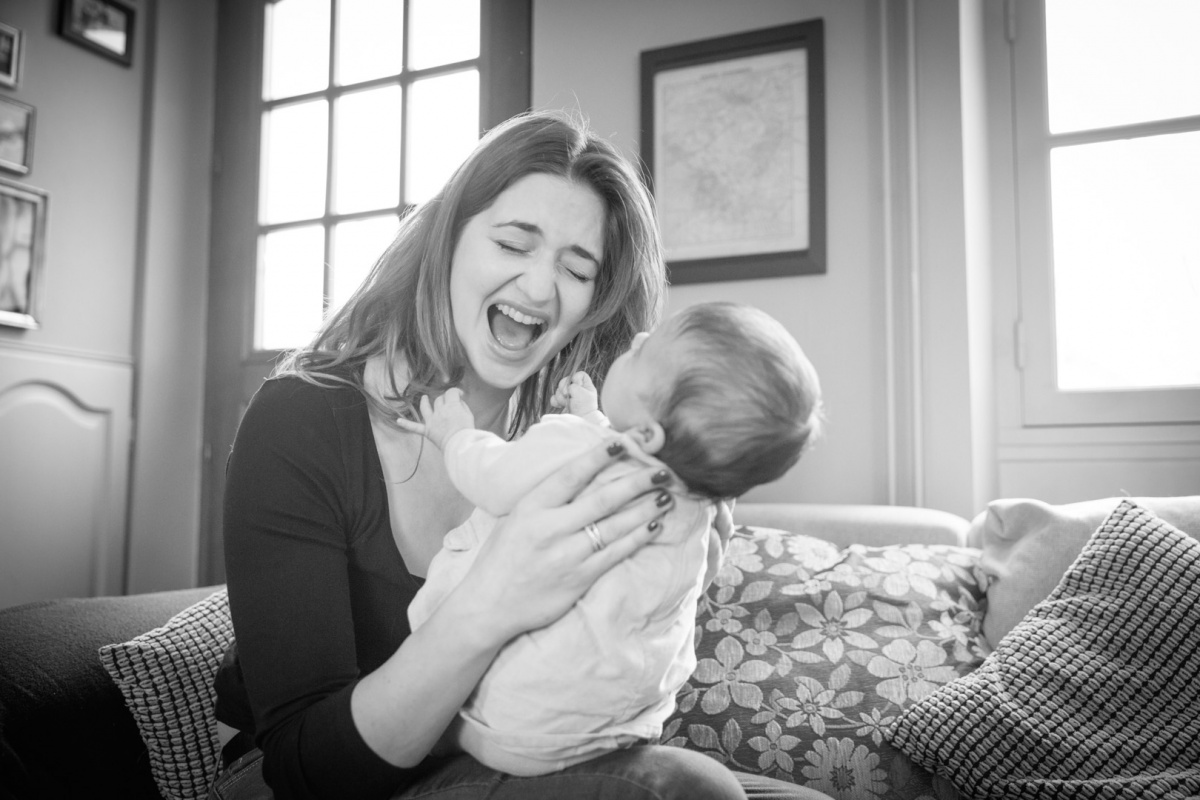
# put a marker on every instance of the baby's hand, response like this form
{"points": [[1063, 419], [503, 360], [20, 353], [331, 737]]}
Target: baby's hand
{"points": [[443, 417], [577, 394]]}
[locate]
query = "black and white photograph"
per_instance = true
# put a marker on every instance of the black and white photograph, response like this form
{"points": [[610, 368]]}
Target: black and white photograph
{"points": [[22, 242], [16, 136], [103, 26], [600, 400], [10, 56]]}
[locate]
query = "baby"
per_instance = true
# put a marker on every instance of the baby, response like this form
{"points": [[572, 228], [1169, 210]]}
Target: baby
{"points": [[720, 394]]}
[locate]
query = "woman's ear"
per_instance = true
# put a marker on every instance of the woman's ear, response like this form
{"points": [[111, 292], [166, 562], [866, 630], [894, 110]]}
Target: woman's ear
{"points": [[649, 435]]}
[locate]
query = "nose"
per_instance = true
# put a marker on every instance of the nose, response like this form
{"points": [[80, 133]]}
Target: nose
{"points": [[537, 281]]}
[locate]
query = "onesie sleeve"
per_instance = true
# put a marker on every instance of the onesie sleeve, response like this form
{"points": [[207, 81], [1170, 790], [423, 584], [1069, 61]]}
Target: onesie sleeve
{"points": [[286, 535], [494, 474]]}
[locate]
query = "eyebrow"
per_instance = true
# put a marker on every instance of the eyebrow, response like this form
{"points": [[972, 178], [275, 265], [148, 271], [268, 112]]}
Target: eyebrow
{"points": [[530, 227]]}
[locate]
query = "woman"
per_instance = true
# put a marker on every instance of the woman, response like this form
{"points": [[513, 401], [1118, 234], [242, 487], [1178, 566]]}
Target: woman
{"points": [[538, 259]]}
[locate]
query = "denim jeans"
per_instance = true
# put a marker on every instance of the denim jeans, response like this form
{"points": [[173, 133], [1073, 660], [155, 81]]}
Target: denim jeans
{"points": [[648, 772]]}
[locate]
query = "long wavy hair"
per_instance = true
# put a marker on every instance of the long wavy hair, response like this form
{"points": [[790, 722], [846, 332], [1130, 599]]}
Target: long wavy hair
{"points": [[402, 308]]}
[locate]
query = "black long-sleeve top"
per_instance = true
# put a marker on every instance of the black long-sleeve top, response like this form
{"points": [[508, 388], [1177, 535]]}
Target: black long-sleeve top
{"points": [[317, 588]]}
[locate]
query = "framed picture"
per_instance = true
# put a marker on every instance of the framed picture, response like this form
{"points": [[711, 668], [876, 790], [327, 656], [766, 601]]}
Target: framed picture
{"points": [[10, 56], [104, 26], [733, 141], [22, 240], [16, 136]]}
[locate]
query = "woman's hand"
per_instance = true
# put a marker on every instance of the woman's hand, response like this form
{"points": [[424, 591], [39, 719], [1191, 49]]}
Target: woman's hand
{"points": [[541, 558], [528, 573]]}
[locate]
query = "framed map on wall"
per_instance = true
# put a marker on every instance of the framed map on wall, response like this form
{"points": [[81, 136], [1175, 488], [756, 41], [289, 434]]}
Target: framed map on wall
{"points": [[733, 141]]}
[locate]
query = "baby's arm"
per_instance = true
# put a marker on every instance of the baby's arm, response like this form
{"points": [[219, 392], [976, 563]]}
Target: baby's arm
{"points": [[494, 474], [443, 417]]}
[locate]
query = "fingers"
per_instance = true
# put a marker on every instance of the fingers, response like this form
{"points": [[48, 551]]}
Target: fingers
{"points": [[425, 410], [410, 426], [629, 530], [724, 520], [562, 394], [565, 484], [583, 379]]}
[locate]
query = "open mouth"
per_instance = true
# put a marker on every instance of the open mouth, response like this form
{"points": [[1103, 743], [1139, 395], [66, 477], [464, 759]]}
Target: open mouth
{"points": [[513, 329]]}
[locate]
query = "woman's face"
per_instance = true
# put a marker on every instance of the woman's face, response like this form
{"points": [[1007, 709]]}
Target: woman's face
{"points": [[523, 274]]}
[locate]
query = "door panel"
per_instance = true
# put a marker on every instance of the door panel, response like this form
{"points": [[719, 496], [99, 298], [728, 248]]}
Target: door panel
{"points": [[64, 466]]}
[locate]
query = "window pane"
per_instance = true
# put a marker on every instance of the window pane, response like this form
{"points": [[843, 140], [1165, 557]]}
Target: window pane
{"points": [[297, 48], [356, 246], [370, 39], [443, 31], [1127, 263], [443, 127], [1113, 62], [293, 162], [291, 285], [367, 162]]}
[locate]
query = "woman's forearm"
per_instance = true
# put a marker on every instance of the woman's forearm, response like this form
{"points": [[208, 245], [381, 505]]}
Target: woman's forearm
{"points": [[402, 708]]}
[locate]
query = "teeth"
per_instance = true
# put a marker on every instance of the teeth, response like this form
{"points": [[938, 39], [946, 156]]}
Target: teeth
{"points": [[512, 313]]}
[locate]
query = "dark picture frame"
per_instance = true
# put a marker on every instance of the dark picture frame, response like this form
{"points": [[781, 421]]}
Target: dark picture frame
{"points": [[102, 26], [11, 44], [22, 254], [733, 147], [16, 136]]}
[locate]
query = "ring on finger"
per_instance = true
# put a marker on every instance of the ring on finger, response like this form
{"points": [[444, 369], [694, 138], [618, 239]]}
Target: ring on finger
{"points": [[593, 533]]}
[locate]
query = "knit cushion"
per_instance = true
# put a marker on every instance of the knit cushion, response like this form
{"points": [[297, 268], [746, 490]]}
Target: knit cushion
{"points": [[166, 677], [1095, 693], [807, 653]]}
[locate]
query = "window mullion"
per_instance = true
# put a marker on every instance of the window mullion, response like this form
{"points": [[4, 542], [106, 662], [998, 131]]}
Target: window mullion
{"points": [[330, 149]]}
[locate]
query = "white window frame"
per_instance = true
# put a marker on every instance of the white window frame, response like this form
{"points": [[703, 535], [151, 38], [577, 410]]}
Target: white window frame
{"points": [[1043, 403]]}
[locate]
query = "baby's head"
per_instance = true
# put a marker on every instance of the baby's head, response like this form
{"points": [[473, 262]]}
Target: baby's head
{"points": [[721, 392]]}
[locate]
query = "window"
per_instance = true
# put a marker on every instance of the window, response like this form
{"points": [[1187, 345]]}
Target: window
{"points": [[368, 106], [1107, 98]]}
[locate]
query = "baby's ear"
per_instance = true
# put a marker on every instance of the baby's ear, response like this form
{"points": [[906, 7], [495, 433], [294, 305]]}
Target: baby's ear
{"points": [[650, 436]]}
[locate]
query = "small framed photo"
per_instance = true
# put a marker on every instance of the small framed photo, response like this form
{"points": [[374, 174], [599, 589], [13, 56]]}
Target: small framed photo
{"points": [[22, 240], [103, 26], [10, 56], [16, 136]]}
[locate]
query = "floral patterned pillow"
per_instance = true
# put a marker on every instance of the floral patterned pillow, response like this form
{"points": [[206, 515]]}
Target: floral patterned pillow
{"points": [[807, 654]]}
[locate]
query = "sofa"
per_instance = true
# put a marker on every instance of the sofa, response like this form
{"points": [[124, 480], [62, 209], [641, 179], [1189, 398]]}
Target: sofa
{"points": [[827, 630]]}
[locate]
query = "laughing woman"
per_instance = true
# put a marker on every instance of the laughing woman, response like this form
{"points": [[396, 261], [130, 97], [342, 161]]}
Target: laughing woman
{"points": [[538, 259]]}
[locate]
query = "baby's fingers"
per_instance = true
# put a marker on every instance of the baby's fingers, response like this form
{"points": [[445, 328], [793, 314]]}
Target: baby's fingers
{"points": [[410, 426]]}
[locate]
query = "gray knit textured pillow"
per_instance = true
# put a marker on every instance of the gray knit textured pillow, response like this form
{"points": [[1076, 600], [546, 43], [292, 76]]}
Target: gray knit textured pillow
{"points": [[166, 677], [1095, 694]]}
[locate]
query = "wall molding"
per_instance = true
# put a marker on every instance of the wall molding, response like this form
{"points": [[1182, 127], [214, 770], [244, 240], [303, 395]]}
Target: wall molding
{"points": [[72, 353]]}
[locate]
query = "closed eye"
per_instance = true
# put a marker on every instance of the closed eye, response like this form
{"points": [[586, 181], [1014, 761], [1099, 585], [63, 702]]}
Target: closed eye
{"points": [[577, 274], [511, 248]]}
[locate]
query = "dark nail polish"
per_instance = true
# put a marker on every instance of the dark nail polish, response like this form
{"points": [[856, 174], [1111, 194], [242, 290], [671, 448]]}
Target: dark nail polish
{"points": [[615, 449], [660, 477], [653, 526], [662, 499]]}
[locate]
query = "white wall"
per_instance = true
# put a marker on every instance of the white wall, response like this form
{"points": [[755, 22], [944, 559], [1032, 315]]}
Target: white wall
{"points": [[585, 55], [112, 379]]}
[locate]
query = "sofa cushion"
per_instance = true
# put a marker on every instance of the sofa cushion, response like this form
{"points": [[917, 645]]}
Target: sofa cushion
{"points": [[166, 676], [1095, 693], [64, 728], [807, 653]]}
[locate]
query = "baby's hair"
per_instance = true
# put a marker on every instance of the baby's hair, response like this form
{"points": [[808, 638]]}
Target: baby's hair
{"points": [[743, 402]]}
